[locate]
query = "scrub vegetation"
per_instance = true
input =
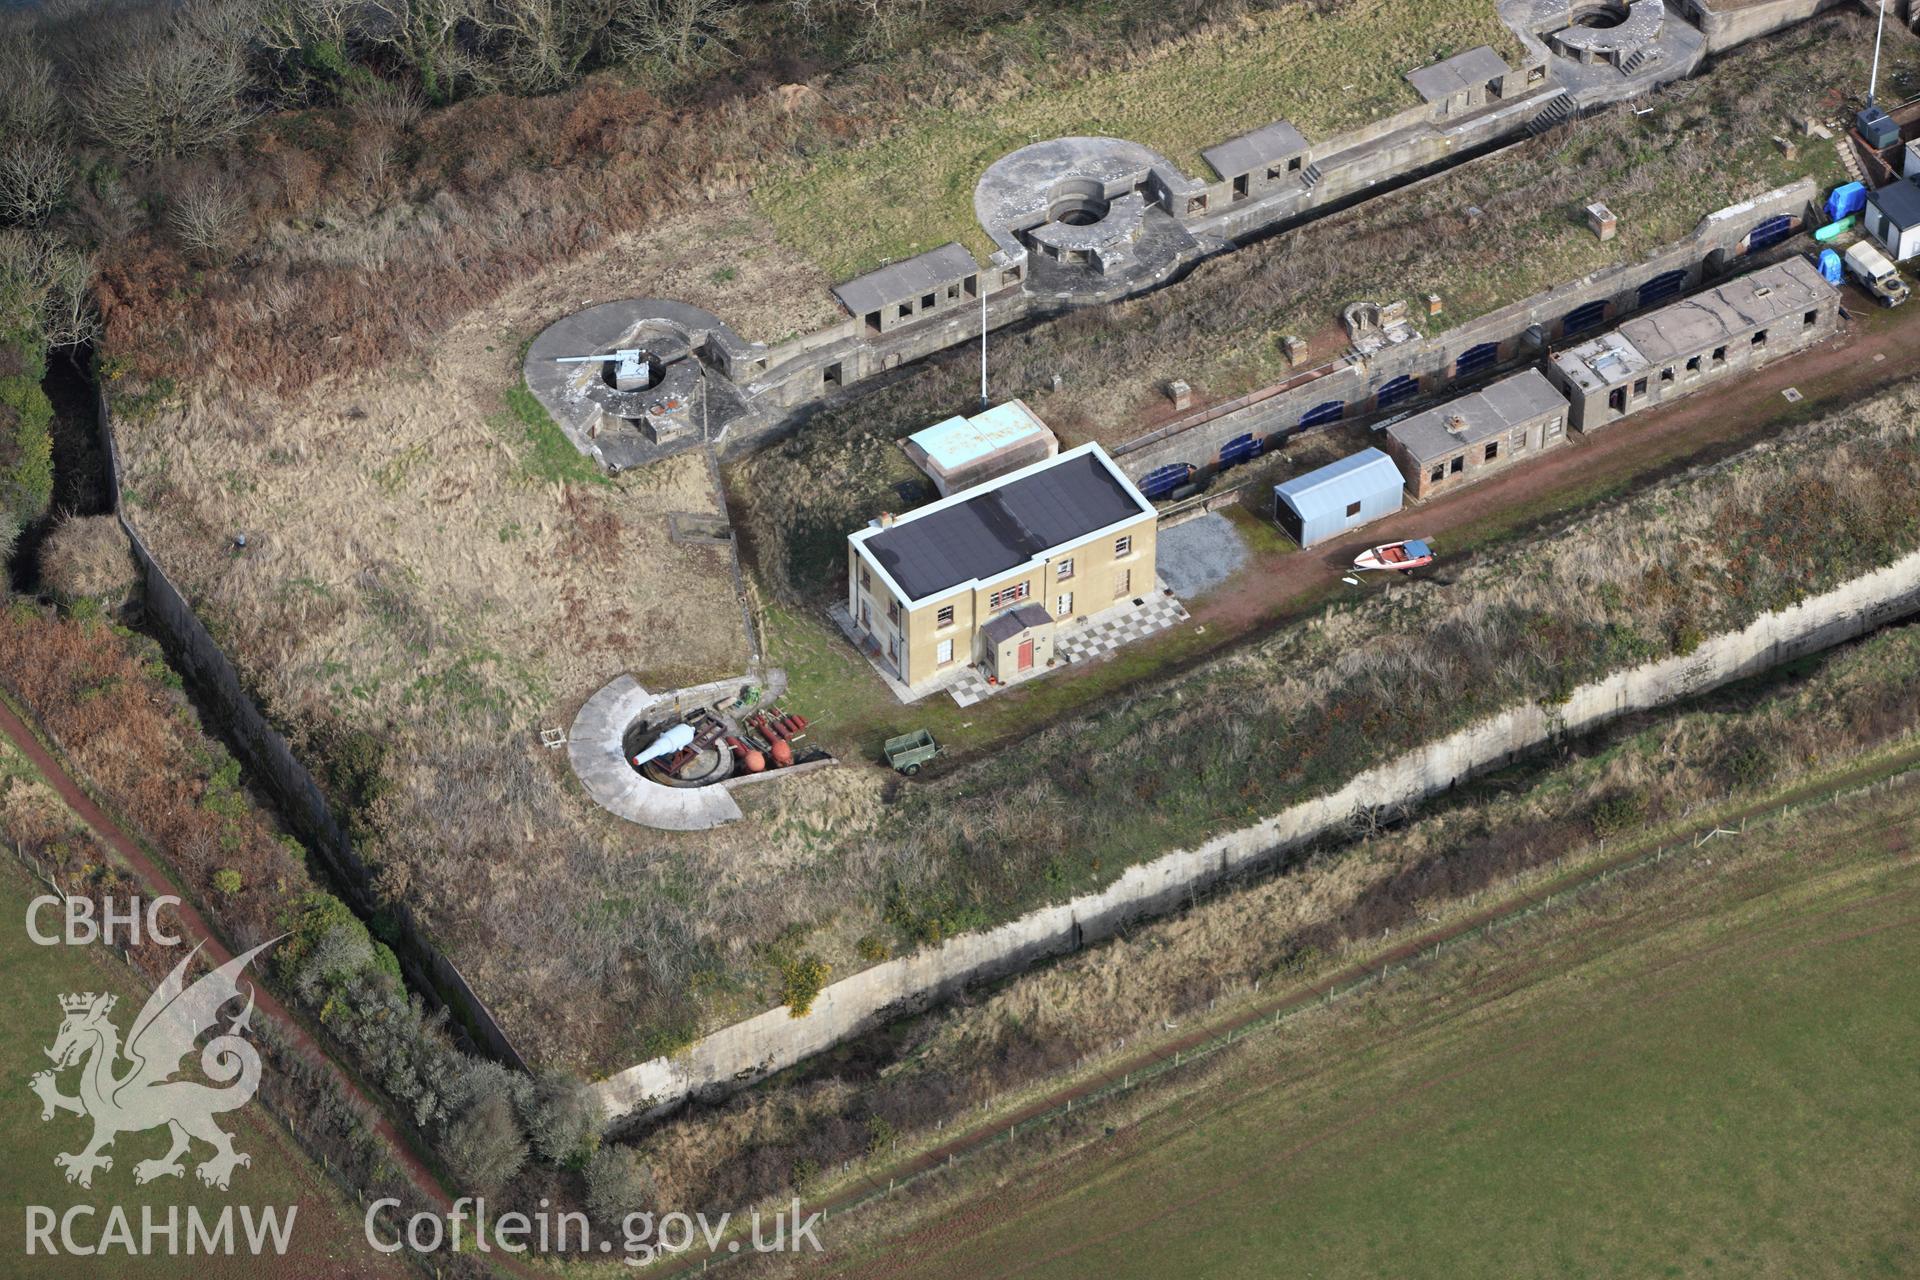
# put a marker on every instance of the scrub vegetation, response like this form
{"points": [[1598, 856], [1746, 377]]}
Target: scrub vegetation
{"points": [[1831, 723]]}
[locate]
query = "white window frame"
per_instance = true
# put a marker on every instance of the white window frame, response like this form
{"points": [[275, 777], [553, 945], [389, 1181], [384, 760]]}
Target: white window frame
{"points": [[1123, 546], [943, 652]]}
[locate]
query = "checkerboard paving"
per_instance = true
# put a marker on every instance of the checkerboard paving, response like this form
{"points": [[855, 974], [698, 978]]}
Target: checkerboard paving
{"points": [[1086, 643], [1098, 639]]}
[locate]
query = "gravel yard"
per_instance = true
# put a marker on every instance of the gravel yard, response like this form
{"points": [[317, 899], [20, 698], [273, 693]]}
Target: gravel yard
{"points": [[1195, 557]]}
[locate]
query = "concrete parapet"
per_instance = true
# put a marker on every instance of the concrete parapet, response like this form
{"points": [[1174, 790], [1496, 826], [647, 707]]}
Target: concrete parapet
{"points": [[737, 1055]]}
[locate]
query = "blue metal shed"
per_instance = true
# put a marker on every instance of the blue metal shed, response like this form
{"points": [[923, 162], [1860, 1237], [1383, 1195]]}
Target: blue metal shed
{"points": [[1340, 496]]}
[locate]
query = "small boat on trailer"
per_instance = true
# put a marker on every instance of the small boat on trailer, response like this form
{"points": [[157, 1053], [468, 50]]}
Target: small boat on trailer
{"points": [[1411, 554]]}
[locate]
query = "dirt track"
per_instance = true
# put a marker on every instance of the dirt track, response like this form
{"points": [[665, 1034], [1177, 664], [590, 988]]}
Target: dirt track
{"points": [[1699, 428], [929, 1238], [156, 880]]}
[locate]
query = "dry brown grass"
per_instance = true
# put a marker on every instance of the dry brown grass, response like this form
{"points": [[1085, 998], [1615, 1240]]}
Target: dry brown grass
{"points": [[407, 577], [720, 255], [1347, 902], [89, 557]]}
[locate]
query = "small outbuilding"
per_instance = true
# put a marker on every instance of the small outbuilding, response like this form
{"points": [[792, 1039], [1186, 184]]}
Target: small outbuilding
{"points": [[1893, 218], [1342, 495], [1471, 437], [960, 453], [911, 290]]}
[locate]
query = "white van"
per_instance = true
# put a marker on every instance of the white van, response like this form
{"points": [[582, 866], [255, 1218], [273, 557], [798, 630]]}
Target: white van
{"points": [[1872, 269]]}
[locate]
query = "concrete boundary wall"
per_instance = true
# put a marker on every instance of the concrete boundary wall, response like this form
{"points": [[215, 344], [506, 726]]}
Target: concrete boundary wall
{"points": [[737, 1055], [270, 759]]}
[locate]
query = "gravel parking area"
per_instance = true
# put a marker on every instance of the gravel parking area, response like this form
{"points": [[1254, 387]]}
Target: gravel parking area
{"points": [[1195, 557]]}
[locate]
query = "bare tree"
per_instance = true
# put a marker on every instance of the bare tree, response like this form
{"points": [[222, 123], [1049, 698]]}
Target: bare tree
{"points": [[680, 33], [437, 38], [44, 277], [882, 23], [208, 215], [163, 89], [388, 104], [287, 34], [35, 176], [30, 104], [71, 319]]}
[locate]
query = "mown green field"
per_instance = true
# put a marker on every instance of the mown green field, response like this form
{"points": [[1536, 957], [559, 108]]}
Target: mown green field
{"points": [[326, 1241], [1326, 71], [1713, 1076]]}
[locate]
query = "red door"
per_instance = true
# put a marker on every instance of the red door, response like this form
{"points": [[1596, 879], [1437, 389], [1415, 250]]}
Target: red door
{"points": [[1026, 655]]}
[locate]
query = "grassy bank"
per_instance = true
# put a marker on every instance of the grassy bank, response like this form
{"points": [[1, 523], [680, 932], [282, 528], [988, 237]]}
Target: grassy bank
{"points": [[1697, 1075], [1324, 67], [1835, 723]]}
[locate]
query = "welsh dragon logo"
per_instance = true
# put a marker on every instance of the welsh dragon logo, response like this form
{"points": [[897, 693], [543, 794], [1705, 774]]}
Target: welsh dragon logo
{"points": [[144, 1095]]}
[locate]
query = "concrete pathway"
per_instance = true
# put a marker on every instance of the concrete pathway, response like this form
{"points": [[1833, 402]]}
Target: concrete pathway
{"points": [[1091, 640]]}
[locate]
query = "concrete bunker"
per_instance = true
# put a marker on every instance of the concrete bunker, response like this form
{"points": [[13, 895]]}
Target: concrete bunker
{"points": [[1094, 207], [630, 382]]}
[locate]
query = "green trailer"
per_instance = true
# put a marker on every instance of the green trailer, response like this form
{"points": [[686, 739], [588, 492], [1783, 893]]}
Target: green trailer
{"points": [[911, 750]]}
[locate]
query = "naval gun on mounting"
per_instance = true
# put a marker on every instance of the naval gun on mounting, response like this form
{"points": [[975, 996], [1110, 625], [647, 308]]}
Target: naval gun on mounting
{"points": [[632, 371]]}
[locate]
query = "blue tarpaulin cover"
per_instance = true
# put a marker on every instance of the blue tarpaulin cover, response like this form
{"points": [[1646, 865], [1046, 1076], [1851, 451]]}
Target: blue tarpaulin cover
{"points": [[1831, 267], [1850, 198]]}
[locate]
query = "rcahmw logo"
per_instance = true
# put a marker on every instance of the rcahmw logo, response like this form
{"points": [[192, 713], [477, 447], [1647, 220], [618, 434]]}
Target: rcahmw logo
{"points": [[130, 1087]]}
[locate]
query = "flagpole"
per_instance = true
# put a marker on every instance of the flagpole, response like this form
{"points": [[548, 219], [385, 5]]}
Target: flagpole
{"points": [[1874, 83], [983, 341]]}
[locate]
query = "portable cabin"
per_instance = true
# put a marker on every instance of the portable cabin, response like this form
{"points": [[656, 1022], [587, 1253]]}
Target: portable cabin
{"points": [[1893, 218]]}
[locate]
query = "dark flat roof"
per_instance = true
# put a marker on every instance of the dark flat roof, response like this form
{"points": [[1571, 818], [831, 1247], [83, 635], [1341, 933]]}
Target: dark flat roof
{"points": [[1900, 202], [1002, 527]]}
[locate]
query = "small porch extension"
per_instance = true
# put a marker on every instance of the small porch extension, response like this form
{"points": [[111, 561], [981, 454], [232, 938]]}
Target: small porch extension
{"points": [[1071, 644]]}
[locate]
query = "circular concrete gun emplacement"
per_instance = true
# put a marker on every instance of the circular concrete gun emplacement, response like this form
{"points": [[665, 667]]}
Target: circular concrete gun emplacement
{"points": [[1087, 212], [631, 382], [669, 760]]}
